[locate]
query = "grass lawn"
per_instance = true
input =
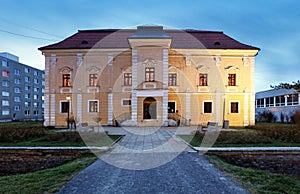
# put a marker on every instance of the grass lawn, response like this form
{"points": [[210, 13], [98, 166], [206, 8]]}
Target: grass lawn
{"points": [[45, 181], [257, 181]]}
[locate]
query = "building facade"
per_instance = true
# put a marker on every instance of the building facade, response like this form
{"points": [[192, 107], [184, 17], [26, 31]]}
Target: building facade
{"points": [[149, 76], [22, 90], [283, 103]]}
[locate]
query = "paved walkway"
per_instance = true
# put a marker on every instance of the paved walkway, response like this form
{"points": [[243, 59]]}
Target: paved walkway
{"points": [[151, 160]]}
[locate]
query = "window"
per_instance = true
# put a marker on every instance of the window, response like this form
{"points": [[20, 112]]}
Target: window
{"points": [[66, 80], [17, 90], [43, 82], [5, 112], [27, 96], [149, 74], [64, 106], [36, 89], [234, 107], [93, 105], [202, 79], [126, 102], [93, 79], [35, 72], [5, 93], [27, 88], [17, 99], [27, 104], [231, 79], [270, 102], [17, 108], [26, 70], [26, 79], [292, 99], [172, 79], [5, 83], [35, 97], [260, 103], [35, 112], [127, 79], [207, 107], [280, 100], [5, 103], [27, 112], [17, 72], [43, 75], [4, 63], [17, 81], [5, 73], [36, 81], [35, 105]]}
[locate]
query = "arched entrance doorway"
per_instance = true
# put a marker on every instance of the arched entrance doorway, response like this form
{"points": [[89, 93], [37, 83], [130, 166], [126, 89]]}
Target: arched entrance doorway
{"points": [[150, 108]]}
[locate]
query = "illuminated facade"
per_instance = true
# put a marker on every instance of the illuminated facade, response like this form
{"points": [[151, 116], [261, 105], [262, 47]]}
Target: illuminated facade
{"points": [[150, 76]]}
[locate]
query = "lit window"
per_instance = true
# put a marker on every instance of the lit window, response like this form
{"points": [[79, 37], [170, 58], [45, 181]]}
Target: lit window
{"points": [[207, 107], [149, 74], [17, 90], [127, 79], [292, 99], [172, 79], [93, 79], [27, 88], [5, 112], [64, 107], [4, 63], [27, 104], [35, 72], [35, 89], [26, 79], [5, 93], [66, 80], [35, 97], [36, 81], [202, 79], [5, 83], [234, 107], [5, 103], [231, 79], [93, 106], [126, 102], [17, 81], [35, 105], [17, 99], [27, 96], [17, 72], [26, 70], [5, 73], [43, 75]]}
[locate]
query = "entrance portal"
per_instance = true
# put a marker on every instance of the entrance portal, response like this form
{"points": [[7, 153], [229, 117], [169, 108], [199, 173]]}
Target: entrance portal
{"points": [[150, 108]]}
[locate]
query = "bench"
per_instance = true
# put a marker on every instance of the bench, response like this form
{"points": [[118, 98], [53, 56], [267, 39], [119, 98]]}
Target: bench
{"points": [[209, 125]]}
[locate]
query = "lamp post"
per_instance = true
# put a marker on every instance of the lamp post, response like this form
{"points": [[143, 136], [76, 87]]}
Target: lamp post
{"points": [[68, 98]]}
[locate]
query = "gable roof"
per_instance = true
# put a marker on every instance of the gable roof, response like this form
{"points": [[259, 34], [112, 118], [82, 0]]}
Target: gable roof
{"points": [[114, 38]]}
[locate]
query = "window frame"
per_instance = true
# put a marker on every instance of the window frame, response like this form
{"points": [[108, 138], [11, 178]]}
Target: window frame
{"points": [[127, 79], [203, 79], [231, 79], [93, 79], [149, 74], [238, 107], [171, 78], [126, 99], [89, 106], [61, 106], [203, 107], [66, 80]]}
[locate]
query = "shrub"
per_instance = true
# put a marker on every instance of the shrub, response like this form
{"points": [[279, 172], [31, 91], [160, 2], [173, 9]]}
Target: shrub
{"points": [[281, 117], [267, 116], [296, 118], [20, 133]]}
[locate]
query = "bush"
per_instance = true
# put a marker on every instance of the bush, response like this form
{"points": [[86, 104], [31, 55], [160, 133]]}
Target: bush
{"points": [[295, 118], [20, 133], [267, 116]]}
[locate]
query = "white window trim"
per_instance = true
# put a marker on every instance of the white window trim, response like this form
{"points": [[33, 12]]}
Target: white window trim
{"points": [[175, 104], [212, 106], [88, 110], [239, 106], [125, 99], [70, 106]]}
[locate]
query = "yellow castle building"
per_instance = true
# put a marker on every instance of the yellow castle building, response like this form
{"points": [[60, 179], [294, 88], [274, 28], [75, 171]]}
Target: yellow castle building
{"points": [[149, 76]]}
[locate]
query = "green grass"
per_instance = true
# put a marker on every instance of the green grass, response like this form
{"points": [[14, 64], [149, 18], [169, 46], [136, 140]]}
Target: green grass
{"points": [[45, 181], [23, 123], [257, 181]]}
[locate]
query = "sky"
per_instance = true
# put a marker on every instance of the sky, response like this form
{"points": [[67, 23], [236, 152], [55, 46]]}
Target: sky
{"points": [[271, 25]]}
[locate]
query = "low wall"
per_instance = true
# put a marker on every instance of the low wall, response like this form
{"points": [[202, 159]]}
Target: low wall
{"points": [[21, 160], [275, 160]]}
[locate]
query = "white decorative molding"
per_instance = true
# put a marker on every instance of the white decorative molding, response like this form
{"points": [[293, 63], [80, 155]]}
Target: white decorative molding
{"points": [[93, 89], [246, 118], [52, 109], [149, 63], [203, 89], [110, 59], [218, 59], [218, 107], [149, 85], [134, 106], [149, 93], [79, 59], [110, 109], [252, 109], [188, 59], [166, 68], [79, 108], [165, 107], [93, 69], [188, 106], [134, 68], [65, 90], [246, 61], [46, 110]]}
